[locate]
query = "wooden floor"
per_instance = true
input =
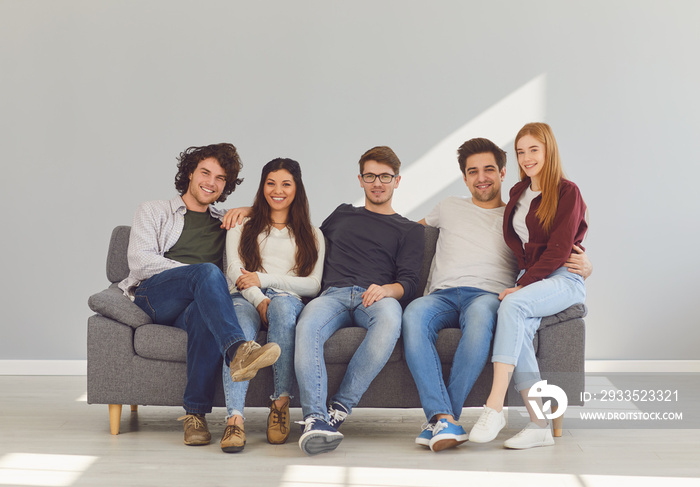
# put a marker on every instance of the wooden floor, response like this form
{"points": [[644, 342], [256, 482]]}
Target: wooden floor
{"points": [[50, 436]]}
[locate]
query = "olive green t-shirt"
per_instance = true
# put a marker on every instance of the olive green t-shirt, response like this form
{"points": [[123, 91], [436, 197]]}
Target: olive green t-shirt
{"points": [[202, 240]]}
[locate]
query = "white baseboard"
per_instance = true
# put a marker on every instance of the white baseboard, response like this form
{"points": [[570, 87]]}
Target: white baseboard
{"points": [[642, 366], [79, 367], [43, 367]]}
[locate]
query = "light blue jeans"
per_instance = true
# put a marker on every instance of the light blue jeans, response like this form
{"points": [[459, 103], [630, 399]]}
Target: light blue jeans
{"points": [[334, 309], [474, 312], [282, 313], [519, 318]]}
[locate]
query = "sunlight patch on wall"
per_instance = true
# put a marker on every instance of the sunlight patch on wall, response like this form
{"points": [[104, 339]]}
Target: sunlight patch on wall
{"points": [[42, 469], [437, 169]]}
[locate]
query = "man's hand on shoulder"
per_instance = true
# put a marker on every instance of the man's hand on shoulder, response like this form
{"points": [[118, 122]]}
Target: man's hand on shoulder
{"points": [[578, 263], [235, 216], [376, 293]]}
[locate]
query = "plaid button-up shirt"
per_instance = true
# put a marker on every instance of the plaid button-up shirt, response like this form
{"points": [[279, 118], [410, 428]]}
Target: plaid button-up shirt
{"points": [[156, 228]]}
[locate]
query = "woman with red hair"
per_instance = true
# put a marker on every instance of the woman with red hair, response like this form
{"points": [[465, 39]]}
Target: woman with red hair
{"points": [[544, 221]]}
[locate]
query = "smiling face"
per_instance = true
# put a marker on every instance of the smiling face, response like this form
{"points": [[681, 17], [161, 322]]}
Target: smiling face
{"points": [[378, 195], [207, 182], [531, 153], [279, 190], [483, 178]]}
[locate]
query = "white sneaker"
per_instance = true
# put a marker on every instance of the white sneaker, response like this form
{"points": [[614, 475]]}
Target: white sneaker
{"points": [[487, 426], [531, 436]]}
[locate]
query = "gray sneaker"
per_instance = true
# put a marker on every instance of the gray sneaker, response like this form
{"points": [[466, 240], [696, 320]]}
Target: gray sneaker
{"points": [[251, 357]]}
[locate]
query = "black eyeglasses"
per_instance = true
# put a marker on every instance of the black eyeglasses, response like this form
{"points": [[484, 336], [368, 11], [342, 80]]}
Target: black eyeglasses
{"points": [[385, 178]]}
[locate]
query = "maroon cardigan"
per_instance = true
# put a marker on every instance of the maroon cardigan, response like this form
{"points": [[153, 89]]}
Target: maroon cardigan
{"points": [[544, 254]]}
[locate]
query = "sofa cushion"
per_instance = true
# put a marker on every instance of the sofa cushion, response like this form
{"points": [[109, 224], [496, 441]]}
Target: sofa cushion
{"points": [[113, 304], [448, 338], [117, 262], [340, 347], [161, 342], [570, 313]]}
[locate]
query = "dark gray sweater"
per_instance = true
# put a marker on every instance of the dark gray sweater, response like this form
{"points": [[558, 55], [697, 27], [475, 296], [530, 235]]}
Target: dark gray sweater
{"points": [[365, 248]]}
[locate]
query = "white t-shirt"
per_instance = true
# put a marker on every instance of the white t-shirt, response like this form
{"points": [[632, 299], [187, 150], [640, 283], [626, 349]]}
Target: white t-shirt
{"points": [[522, 208], [470, 248]]}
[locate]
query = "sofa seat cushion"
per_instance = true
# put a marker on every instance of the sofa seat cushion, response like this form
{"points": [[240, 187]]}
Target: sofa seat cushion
{"points": [[340, 348], [113, 304], [161, 342], [448, 339]]}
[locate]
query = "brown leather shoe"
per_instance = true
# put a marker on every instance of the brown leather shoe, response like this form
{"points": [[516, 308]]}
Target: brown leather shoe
{"points": [[278, 424], [234, 438], [251, 357], [196, 430]]}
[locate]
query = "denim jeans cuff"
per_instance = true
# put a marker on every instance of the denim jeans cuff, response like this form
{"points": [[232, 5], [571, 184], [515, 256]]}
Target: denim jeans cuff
{"points": [[505, 359], [284, 394], [526, 384], [197, 408], [230, 344], [233, 413], [435, 413]]}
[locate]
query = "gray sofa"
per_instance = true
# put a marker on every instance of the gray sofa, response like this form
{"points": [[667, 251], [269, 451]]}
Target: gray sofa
{"points": [[132, 360]]}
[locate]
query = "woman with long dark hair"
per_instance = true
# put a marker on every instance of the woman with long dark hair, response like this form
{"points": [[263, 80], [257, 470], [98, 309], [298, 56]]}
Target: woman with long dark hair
{"points": [[544, 221], [275, 259]]}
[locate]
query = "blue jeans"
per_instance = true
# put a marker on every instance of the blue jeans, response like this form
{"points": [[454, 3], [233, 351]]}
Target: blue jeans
{"points": [[519, 318], [196, 299], [334, 309], [282, 313], [474, 312]]}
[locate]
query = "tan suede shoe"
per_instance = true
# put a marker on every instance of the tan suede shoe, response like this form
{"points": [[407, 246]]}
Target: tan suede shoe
{"points": [[278, 424], [233, 440], [196, 429], [251, 357]]}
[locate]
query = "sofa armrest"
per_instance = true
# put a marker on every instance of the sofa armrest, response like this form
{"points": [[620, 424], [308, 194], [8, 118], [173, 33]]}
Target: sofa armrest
{"points": [[570, 313], [114, 305]]}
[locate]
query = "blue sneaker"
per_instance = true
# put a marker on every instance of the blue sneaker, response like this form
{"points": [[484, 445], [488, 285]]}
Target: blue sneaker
{"points": [[447, 435], [318, 437], [337, 413], [425, 435]]}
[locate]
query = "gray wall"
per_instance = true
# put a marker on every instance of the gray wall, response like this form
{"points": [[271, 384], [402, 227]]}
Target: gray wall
{"points": [[98, 98]]}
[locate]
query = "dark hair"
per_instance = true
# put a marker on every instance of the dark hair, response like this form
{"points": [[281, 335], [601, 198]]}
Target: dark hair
{"points": [[225, 154], [298, 222], [383, 155], [480, 146]]}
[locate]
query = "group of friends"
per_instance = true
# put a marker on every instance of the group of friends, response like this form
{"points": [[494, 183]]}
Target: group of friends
{"points": [[498, 268]]}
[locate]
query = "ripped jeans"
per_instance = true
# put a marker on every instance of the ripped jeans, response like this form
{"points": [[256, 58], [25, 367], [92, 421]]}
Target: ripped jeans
{"points": [[282, 314]]}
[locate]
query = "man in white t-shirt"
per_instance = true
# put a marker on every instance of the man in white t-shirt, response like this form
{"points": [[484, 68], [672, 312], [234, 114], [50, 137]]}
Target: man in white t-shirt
{"points": [[472, 265]]}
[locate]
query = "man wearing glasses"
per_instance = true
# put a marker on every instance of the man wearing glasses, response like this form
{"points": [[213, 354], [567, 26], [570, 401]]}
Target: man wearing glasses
{"points": [[371, 268]]}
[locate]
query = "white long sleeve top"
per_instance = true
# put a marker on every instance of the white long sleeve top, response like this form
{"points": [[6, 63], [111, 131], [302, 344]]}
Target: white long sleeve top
{"points": [[277, 250]]}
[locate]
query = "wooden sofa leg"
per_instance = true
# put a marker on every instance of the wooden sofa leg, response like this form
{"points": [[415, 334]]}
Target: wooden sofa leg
{"points": [[557, 424], [115, 415], [134, 408]]}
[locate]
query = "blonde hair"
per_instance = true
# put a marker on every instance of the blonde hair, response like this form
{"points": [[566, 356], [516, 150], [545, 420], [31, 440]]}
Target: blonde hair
{"points": [[551, 173]]}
